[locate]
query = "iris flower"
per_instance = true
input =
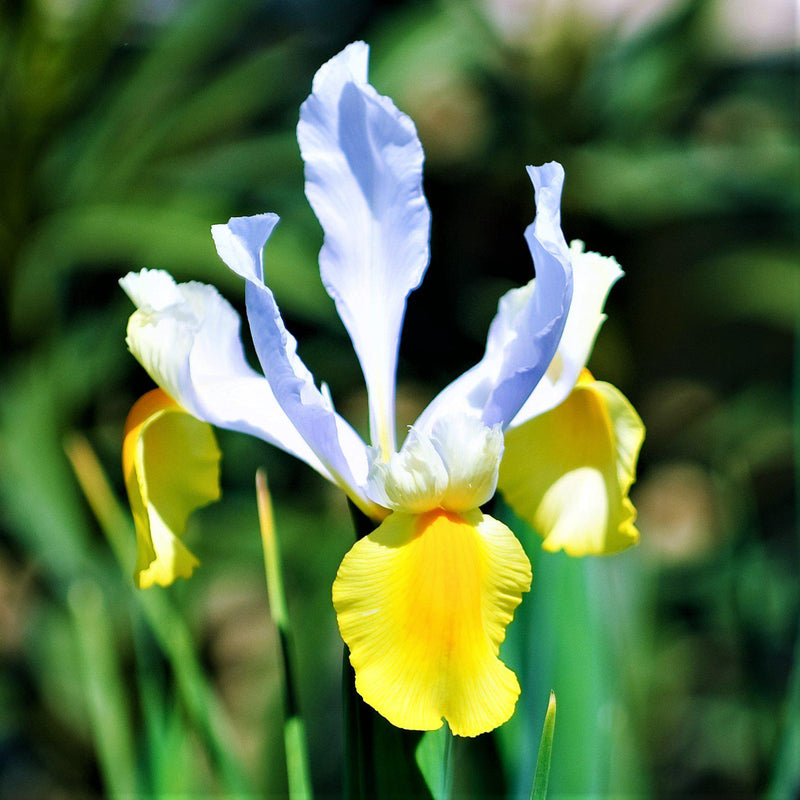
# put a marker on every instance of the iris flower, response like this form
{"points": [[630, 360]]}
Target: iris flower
{"points": [[424, 600]]}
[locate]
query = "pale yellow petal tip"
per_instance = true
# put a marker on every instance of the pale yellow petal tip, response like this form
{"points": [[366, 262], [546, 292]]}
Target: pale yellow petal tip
{"points": [[167, 566], [171, 466], [575, 492], [423, 603]]}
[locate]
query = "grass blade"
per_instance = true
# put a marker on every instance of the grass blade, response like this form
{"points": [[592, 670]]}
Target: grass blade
{"points": [[293, 728], [542, 775], [105, 693]]}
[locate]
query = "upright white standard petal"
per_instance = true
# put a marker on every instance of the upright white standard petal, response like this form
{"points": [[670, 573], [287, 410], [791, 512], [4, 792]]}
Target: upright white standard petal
{"points": [[593, 277], [364, 181], [187, 338], [526, 331], [240, 245]]}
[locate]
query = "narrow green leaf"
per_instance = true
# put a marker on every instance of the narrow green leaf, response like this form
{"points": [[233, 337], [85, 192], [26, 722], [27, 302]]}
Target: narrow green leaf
{"points": [[294, 735], [434, 757], [105, 694], [542, 776], [206, 714]]}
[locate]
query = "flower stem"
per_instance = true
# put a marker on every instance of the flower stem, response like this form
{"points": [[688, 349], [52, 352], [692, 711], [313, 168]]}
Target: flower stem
{"points": [[446, 792], [294, 736], [359, 775]]}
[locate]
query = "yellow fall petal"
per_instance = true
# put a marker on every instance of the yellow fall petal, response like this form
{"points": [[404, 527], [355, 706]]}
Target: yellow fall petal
{"points": [[170, 461], [568, 471], [423, 603]]}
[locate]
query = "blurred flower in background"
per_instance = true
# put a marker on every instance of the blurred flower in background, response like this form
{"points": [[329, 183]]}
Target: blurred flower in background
{"points": [[680, 507], [744, 28]]}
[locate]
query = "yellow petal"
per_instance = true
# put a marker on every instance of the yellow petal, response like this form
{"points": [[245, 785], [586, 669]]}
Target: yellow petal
{"points": [[423, 603], [568, 471], [171, 466]]}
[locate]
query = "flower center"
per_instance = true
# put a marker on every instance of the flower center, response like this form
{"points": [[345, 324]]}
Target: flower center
{"points": [[454, 466]]}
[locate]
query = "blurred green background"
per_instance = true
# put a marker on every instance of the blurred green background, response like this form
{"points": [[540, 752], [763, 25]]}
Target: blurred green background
{"points": [[128, 128]]}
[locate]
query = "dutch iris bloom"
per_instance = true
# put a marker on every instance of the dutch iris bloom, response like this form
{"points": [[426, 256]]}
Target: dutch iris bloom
{"points": [[424, 600]]}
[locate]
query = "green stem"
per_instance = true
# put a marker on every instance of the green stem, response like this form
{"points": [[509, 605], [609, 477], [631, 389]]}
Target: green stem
{"points": [[542, 776], [359, 775], [294, 736], [362, 524], [447, 766]]}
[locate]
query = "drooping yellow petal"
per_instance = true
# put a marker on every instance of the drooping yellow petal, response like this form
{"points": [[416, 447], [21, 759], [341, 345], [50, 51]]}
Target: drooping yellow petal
{"points": [[423, 603], [568, 471], [170, 461]]}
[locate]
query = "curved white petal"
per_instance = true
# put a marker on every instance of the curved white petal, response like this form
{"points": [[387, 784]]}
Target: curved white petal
{"points": [[455, 468], [187, 338], [240, 244], [412, 480], [526, 331], [471, 451], [593, 277], [363, 167]]}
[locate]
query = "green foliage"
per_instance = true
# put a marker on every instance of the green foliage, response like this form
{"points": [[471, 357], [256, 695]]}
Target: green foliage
{"points": [[541, 777], [127, 129], [434, 759]]}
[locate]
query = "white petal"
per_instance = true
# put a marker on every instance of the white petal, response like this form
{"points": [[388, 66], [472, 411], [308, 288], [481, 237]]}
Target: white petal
{"points": [[471, 452], [525, 333], [454, 468], [364, 181], [412, 480], [187, 338], [240, 244], [593, 277]]}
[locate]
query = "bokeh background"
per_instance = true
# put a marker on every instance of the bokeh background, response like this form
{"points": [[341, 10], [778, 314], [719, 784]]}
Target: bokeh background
{"points": [[128, 128]]}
